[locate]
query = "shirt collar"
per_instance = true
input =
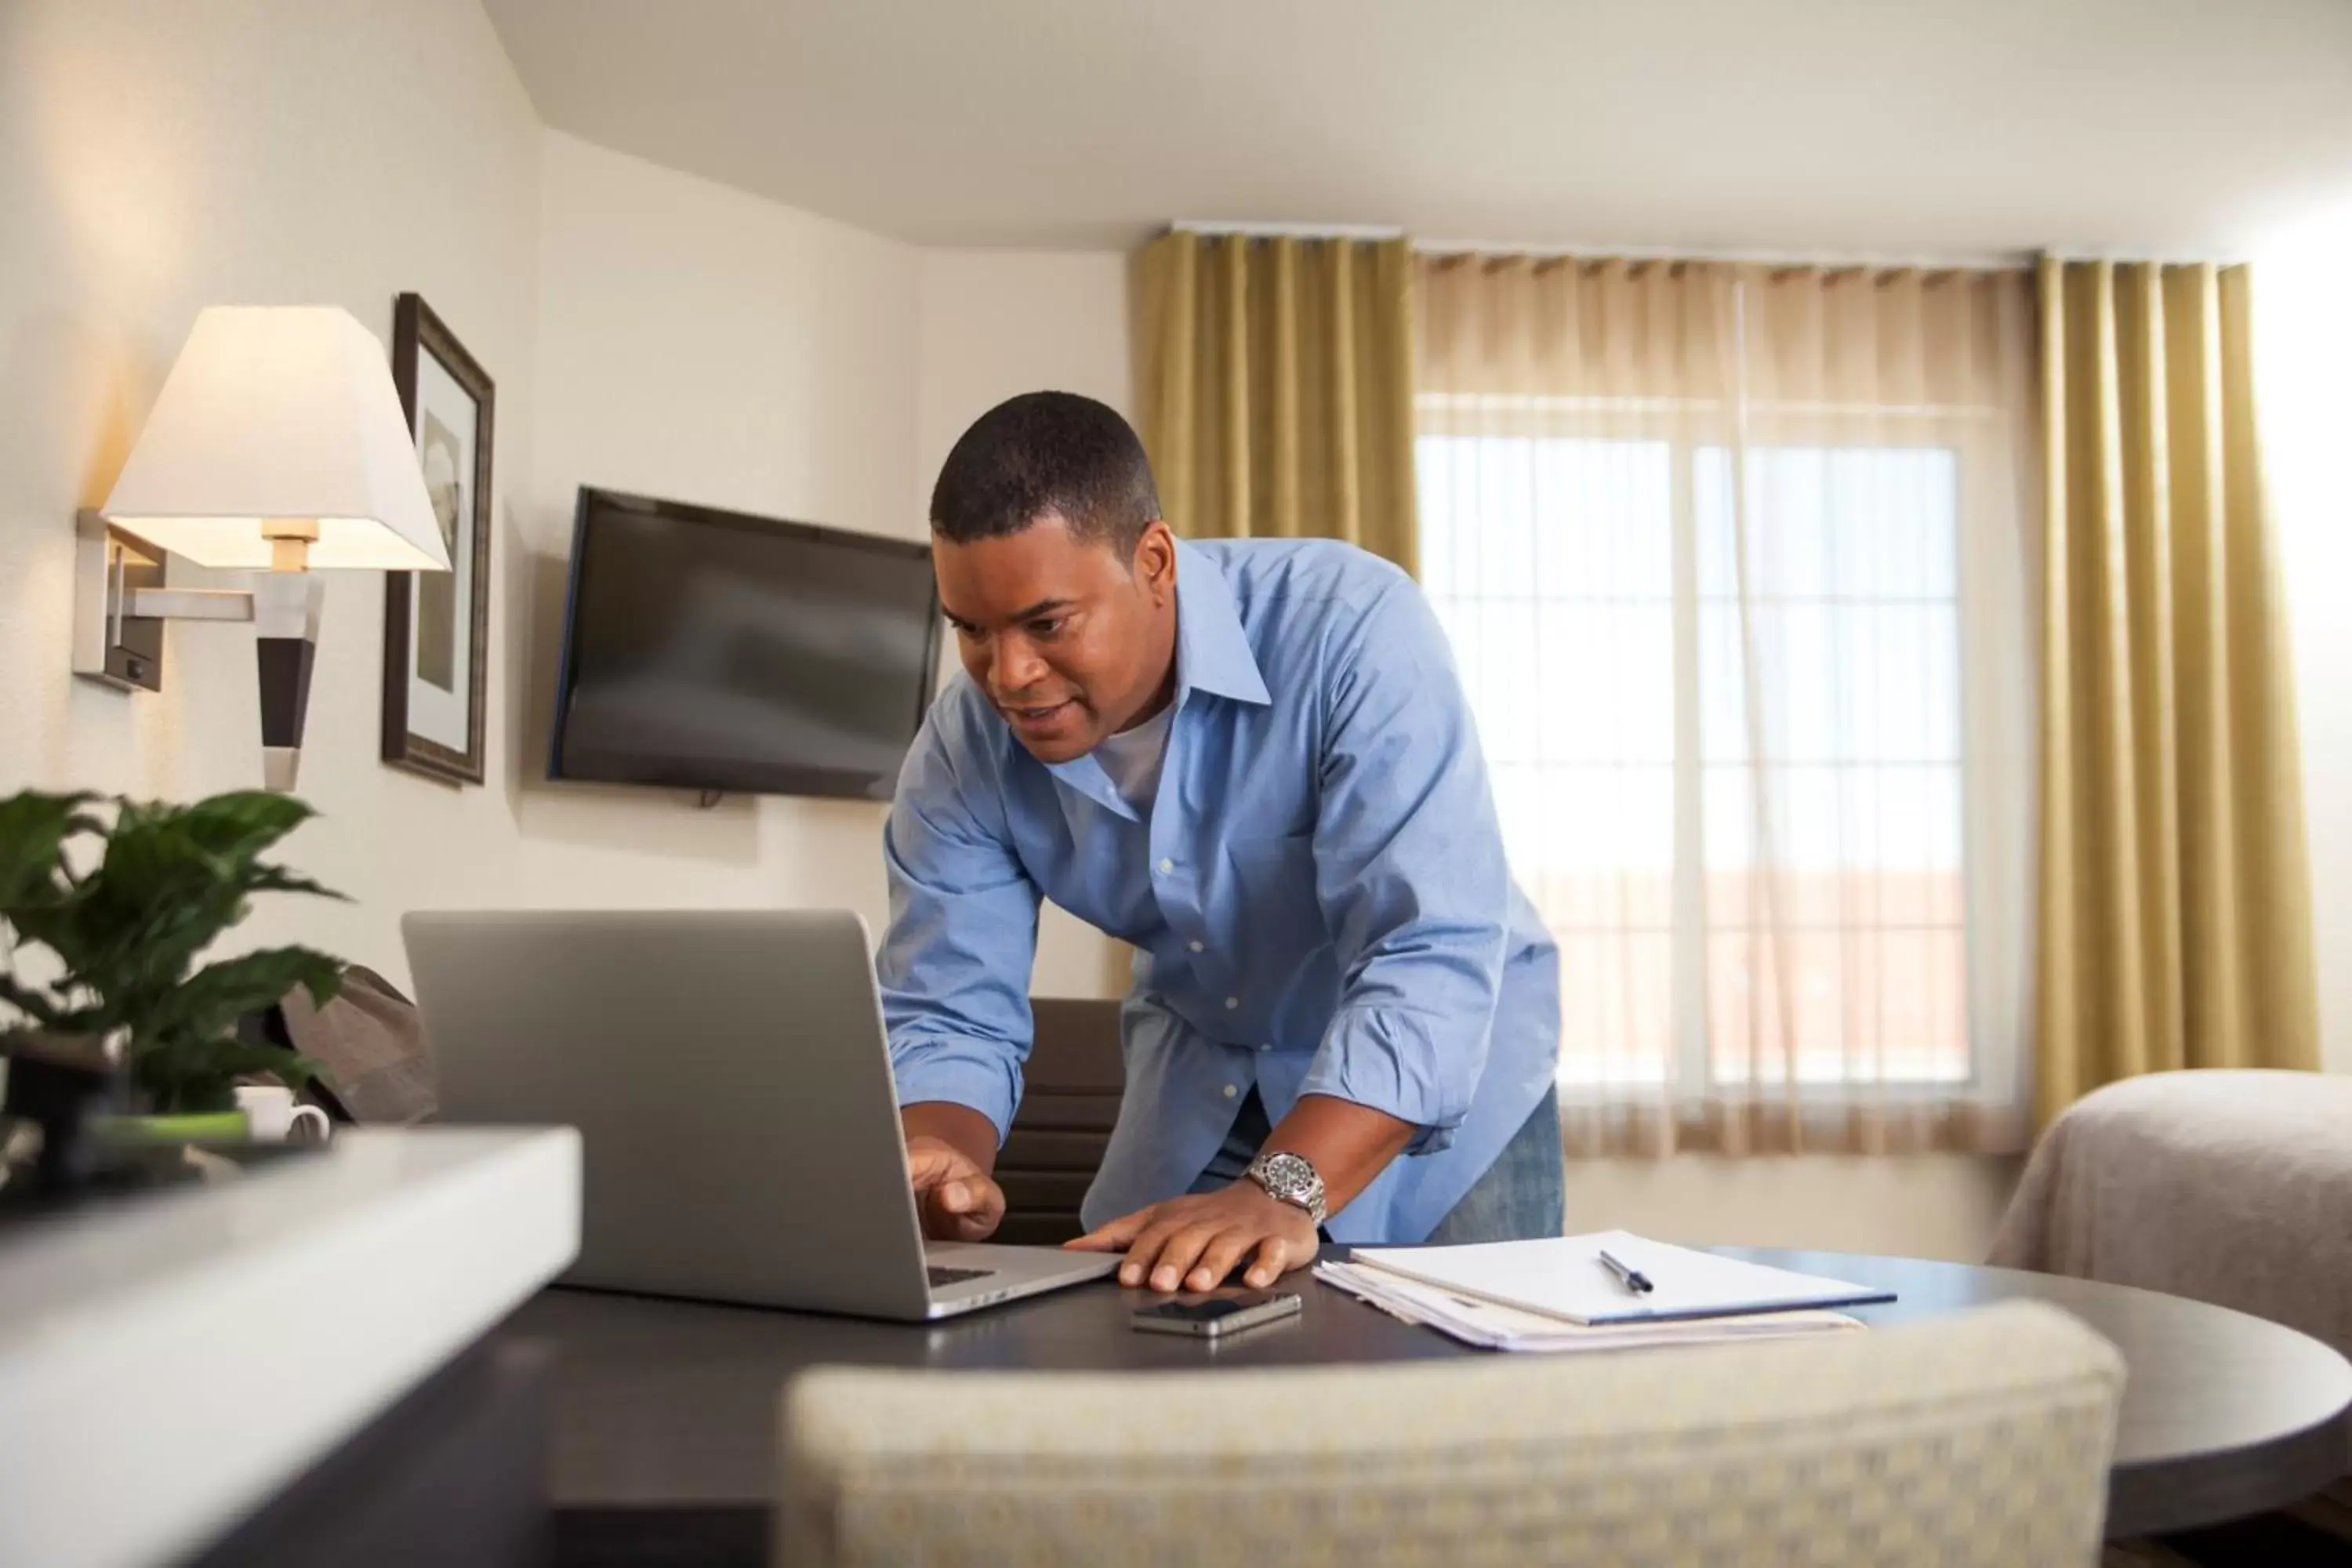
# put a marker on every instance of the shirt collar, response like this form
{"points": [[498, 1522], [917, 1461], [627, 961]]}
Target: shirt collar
{"points": [[1213, 652]]}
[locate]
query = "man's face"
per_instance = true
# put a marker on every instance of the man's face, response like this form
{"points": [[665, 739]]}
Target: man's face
{"points": [[1070, 642]]}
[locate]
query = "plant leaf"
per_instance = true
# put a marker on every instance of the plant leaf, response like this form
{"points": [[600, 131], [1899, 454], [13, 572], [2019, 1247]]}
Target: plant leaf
{"points": [[241, 824], [207, 1004], [34, 828], [277, 880]]}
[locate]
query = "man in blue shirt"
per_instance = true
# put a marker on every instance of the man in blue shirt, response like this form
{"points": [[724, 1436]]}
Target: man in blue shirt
{"points": [[1251, 760]]}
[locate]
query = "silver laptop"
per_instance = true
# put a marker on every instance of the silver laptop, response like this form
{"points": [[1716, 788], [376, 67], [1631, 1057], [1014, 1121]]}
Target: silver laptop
{"points": [[730, 1080]]}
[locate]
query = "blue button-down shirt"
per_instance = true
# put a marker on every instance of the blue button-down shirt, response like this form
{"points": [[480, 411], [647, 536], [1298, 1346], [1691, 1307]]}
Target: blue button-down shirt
{"points": [[1319, 894]]}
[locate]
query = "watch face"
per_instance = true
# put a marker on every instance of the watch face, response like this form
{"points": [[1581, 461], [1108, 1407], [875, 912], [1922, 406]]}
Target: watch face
{"points": [[1290, 1178]]}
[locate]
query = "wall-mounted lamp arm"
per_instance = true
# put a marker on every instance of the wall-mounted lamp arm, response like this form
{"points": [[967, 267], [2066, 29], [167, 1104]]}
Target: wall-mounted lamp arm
{"points": [[191, 604]]}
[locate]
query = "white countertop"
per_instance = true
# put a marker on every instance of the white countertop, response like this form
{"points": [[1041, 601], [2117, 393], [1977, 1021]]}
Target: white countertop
{"points": [[168, 1363]]}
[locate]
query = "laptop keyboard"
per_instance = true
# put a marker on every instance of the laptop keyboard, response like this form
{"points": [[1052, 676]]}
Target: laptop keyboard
{"points": [[956, 1276]]}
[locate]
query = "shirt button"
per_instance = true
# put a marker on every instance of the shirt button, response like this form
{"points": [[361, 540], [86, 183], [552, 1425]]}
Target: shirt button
{"points": [[1266, 1048], [1194, 946], [1231, 1090], [1166, 865], [1232, 1003]]}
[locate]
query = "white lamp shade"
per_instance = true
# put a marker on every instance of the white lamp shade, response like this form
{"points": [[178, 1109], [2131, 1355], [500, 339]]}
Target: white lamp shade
{"points": [[280, 413]]}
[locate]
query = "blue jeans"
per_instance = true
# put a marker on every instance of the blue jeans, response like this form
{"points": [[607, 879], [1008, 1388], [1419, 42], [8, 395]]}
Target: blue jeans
{"points": [[1522, 1194]]}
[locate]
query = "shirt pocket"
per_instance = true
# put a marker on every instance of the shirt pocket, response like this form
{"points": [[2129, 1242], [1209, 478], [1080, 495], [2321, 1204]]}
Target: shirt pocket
{"points": [[1274, 882]]}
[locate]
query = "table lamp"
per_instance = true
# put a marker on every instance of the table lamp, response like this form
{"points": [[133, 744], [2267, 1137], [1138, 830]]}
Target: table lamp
{"points": [[278, 445]]}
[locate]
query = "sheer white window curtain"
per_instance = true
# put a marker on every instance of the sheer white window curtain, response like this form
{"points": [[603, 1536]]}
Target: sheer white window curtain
{"points": [[1735, 561]]}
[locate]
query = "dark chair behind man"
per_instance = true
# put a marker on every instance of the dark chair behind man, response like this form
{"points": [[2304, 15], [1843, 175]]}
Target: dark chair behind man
{"points": [[1071, 1098]]}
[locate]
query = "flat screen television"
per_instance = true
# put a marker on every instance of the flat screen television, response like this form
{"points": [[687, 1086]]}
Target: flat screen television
{"points": [[710, 650]]}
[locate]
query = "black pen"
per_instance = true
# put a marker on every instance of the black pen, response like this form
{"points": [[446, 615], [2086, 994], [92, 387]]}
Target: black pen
{"points": [[1632, 1278]]}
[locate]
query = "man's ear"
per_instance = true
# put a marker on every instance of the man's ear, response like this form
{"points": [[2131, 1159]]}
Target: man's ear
{"points": [[1155, 561]]}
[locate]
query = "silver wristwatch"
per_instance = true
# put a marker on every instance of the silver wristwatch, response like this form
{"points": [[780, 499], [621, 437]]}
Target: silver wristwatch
{"points": [[1291, 1179]]}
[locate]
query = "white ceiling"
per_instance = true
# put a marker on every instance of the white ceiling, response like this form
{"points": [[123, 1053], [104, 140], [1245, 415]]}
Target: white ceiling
{"points": [[1866, 126]]}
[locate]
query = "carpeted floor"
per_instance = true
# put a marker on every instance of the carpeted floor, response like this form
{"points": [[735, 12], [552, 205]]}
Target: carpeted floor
{"points": [[2313, 1534]]}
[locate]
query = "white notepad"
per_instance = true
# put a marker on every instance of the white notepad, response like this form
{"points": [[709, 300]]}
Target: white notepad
{"points": [[1565, 1278]]}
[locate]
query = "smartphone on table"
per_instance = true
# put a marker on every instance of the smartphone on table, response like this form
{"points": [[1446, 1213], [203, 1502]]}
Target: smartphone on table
{"points": [[1217, 1316]]}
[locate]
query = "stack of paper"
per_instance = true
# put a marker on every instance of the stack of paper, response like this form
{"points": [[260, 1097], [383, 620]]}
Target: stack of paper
{"points": [[1556, 1295]]}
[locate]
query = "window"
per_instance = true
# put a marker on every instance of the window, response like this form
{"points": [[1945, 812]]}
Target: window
{"points": [[1853, 768], [1550, 562], [1591, 588], [1735, 559]]}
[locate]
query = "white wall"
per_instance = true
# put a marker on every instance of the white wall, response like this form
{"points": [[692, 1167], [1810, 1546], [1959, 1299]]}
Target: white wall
{"points": [[701, 345], [156, 159], [998, 322], [2303, 343]]}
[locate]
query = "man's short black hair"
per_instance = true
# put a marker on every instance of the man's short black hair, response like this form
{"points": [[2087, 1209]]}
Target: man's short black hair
{"points": [[1047, 452]]}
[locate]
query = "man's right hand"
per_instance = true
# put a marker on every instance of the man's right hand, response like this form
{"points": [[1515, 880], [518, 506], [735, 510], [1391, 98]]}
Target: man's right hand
{"points": [[958, 1201]]}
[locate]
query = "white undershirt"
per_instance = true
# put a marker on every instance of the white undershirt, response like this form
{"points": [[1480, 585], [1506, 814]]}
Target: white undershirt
{"points": [[1132, 759]]}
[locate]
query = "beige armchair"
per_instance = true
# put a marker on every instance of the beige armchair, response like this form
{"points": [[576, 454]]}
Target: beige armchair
{"points": [[1981, 1439]]}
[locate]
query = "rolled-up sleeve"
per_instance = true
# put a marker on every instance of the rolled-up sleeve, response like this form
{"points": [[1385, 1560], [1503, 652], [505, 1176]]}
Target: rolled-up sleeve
{"points": [[955, 962], [1410, 875]]}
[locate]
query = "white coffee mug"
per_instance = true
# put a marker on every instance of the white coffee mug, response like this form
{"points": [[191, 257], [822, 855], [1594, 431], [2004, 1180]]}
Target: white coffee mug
{"points": [[271, 1115]]}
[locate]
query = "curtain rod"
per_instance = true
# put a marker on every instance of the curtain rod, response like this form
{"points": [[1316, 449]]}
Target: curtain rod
{"points": [[1946, 261], [2159, 257], [1289, 230], [1959, 260], [1982, 261]]}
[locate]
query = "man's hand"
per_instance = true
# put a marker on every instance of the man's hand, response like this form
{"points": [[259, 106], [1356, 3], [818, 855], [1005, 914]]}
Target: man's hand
{"points": [[957, 1199], [1195, 1242]]}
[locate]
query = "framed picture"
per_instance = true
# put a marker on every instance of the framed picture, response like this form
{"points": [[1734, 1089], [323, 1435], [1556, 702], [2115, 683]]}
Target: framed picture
{"points": [[436, 623]]}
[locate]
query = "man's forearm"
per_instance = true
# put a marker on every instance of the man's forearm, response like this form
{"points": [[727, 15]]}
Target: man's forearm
{"points": [[1349, 1144], [959, 1127]]}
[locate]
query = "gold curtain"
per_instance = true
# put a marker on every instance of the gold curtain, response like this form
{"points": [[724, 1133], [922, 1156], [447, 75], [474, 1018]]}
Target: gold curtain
{"points": [[1277, 388], [2175, 893]]}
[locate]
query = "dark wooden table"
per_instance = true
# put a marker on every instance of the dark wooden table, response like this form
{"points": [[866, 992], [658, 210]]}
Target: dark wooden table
{"points": [[665, 1411]]}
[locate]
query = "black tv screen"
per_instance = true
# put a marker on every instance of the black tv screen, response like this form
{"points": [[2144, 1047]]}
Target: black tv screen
{"points": [[710, 650]]}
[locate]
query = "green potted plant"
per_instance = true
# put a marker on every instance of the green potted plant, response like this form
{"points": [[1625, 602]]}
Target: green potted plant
{"points": [[114, 909]]}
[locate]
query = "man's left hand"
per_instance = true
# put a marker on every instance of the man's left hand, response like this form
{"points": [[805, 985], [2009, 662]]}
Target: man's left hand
{"points": [[1195, 1242]]}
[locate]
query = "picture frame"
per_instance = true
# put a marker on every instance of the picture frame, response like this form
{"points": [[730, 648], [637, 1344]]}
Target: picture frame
{"points": [[437, 625]]}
